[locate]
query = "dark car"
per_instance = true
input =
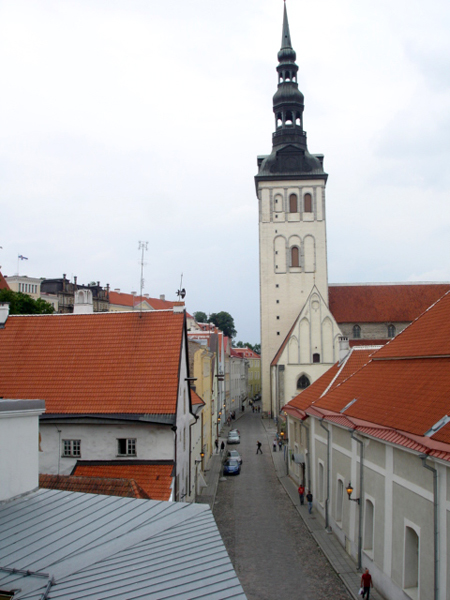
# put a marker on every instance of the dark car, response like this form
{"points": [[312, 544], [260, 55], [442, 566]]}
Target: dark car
{"points": [[231, 467], [234, 454]]}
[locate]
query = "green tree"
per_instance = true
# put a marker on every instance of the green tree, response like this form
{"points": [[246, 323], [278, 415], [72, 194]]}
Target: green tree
{"points": [[22, 304], [201, 317], [224, 321]]}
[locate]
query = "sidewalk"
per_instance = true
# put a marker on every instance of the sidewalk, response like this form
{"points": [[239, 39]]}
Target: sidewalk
{"points": [[341, 562]]}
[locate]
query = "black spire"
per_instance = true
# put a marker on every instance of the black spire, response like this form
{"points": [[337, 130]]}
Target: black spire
{"points": [[290, 153]]}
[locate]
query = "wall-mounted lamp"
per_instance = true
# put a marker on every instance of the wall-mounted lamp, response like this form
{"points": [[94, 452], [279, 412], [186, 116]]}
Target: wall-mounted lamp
{"points": [[349, 492]]}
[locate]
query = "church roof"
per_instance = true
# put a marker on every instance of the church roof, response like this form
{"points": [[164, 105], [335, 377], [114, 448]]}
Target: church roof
{"points": [[382, 302], [100, 363]]}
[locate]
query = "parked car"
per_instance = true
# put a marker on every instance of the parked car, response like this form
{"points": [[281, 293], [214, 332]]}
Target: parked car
{"points": [[231, 467], [235, 431], [234, 454], [233, 438]]}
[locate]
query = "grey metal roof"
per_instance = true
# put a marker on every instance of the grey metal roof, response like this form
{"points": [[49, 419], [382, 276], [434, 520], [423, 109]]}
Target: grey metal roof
{"points": [[90, 546]]}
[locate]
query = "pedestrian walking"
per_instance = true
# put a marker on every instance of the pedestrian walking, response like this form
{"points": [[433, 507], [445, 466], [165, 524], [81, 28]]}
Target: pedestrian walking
{"points": [[222, 448], [216, 443], [274, 445], [301, 494], [258, 447], [280, 444], [366, 583], [309, 500]]}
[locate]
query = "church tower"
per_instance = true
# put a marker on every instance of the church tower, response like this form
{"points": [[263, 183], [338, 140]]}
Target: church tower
{"points": [[290, 186]]}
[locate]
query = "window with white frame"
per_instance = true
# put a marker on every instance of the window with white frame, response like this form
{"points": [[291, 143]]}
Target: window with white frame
{"points": [[339, 499], [71, 448], [411, 567], [369, 514], [321, 482], [126, 447]]}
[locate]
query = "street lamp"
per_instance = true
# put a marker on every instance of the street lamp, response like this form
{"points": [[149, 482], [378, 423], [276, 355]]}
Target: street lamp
{"points": [[349, 492]]}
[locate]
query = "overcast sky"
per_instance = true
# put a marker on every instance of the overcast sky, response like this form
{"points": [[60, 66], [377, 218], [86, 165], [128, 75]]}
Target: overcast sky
{"points": [[128, 120]]}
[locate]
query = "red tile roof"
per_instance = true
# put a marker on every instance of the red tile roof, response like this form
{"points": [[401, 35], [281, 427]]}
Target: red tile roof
{"points": [[314, 391], [132, 300], [154, 479], [126, 488], [110, 363], [429, 335], [385, 303], [403, 394], [196, 400], [3, 283]]}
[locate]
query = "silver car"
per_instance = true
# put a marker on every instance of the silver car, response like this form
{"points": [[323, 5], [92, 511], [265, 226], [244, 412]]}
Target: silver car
{"points": [[233, 438]]}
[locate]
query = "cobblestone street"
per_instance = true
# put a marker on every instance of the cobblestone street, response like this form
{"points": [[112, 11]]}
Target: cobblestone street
{"points": [[272, 551]]}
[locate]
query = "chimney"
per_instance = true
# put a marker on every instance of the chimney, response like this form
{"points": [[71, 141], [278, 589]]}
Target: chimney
{"points": [[162, 297], [4, 313], [117, 290], [344, 347], [178, 307]]}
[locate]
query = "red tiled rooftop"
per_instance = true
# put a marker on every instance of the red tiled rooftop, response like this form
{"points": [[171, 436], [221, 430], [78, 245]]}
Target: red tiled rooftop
{"points": [[154, 479], [126, 488], [429, 335], [196, 400], [3, 283], [112, 363], [409, 395], [315, 390], [131, 300], [382, 303]]}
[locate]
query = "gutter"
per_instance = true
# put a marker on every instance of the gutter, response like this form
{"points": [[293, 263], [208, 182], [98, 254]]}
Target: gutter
{"points": [[327, 501], [424, 457]]}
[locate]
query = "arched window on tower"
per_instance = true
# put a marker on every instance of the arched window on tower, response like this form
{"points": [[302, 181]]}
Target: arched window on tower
{"points": [[289, 119], [391, 331], [279, 120], [295, 256], [298, 120], [356, 331], [293, 205], [303, 382], [316, 357], [308, 202]]}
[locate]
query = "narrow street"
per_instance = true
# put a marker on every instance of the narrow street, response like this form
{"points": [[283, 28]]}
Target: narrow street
{"points": [[272, 551]]}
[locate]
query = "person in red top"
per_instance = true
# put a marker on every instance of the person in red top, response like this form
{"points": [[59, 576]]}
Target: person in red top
{"points": [[301, 493], [366, 583]]}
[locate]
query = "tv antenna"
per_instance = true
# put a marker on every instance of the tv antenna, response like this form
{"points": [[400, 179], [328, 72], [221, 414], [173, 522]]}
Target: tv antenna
{"points": [[181, 293], [143, 246]]}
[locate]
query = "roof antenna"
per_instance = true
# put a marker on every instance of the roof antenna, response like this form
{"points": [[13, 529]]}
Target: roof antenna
{"points": [[181, 293], [144, 247]]}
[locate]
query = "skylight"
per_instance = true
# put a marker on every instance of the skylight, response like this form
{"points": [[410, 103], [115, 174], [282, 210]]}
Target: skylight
{"points": [[437, 426], [349, 404]]}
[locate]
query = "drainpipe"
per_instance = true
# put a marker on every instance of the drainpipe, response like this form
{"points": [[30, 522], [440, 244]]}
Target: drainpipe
{"points": [[361, 488], [327, 526], [308, 461], [424, 457]]}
